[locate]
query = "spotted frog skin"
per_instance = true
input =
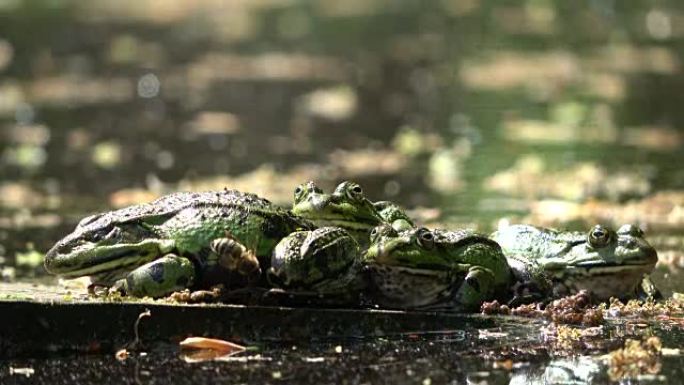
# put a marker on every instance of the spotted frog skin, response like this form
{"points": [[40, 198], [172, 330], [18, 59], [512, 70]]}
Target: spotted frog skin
{"points": [[435, 269], [325, 261], [182, 240], [607, 263], [347, 208]]}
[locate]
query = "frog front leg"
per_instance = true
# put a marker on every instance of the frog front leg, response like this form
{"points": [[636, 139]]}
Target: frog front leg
{"points": [[158, 278], [476, 287]]}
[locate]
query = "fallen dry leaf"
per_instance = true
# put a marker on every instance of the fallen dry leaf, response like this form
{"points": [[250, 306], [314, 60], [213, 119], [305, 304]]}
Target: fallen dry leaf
{"points": [[211, 344], [200, 349]]}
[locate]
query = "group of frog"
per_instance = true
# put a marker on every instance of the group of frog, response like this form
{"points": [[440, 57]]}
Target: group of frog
{"points": [[342, 243]]}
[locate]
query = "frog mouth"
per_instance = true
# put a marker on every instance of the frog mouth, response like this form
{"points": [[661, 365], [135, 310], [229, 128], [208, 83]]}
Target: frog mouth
{"points": [[644, 258], [621, 271]]}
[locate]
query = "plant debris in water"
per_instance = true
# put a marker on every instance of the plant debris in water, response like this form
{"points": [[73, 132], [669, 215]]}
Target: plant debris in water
{"points": [[568, 339], [645, 309], [198, 296], [634, 359], [575, 309]]}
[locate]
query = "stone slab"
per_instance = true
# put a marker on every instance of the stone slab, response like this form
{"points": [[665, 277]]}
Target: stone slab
{"points": [[44, 319]]}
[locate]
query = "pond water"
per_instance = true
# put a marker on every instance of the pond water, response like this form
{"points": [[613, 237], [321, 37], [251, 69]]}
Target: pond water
{"points": [[469, 113], [513, 353]]}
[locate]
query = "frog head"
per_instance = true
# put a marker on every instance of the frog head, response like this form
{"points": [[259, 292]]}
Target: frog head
{"points": [[606, 262], [625, 248], [421, 268], [347, 207], [415, 248], [103, 243]]}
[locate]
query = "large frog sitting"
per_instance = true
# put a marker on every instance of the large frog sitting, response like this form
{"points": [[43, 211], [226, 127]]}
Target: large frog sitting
{"points": [[325, 261], [347, 208], [328, 260], [178, 241], [438, 269], [554, 263]]}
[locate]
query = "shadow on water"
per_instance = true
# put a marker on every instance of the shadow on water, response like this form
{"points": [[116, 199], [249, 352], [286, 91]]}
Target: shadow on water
{"points": [[544, 111]]}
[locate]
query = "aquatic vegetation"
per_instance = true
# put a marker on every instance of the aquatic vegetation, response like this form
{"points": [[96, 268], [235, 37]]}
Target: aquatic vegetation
{"points": [[635, 358], [196, 296], [575, 309], [570, 339], [663, 310]]}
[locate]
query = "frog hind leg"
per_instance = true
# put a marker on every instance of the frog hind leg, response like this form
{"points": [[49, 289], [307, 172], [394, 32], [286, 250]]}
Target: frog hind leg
{"points": [[158, 278]]}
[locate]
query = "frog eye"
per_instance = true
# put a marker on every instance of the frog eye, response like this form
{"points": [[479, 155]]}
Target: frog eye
{"points": [[298, 192], [354, 191], [114, 235], [98, 236], [384, 230], [599, 236], [426, 239]]}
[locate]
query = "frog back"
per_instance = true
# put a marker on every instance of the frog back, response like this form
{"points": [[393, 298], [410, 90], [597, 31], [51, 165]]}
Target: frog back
{"points": [[530, 243], [195, 218], [171, 204]]}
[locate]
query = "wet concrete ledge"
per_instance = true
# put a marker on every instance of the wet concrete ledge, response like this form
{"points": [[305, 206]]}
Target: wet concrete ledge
{"points": [[52, 323]]}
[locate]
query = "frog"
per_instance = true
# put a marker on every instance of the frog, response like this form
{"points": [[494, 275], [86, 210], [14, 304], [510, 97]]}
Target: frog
{"points": [[181, 240], [423, 269], [326, 261], [549, 263], [348, 208]]}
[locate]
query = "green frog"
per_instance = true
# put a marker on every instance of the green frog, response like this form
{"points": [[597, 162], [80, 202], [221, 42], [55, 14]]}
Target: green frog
{"points": [[324, 261], [555, 263], [348, 208], [435, 269], [182, 240]]}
